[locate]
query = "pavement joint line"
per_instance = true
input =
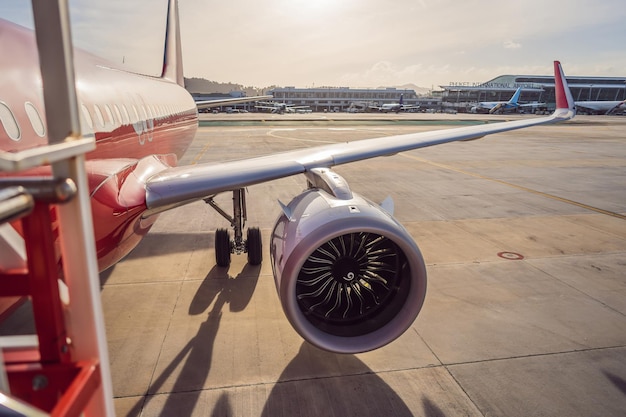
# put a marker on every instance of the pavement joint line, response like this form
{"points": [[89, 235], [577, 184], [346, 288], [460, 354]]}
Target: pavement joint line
{"points": [[272, 133], [536, 355], [519, 187], [580, 291], [371, 372]]}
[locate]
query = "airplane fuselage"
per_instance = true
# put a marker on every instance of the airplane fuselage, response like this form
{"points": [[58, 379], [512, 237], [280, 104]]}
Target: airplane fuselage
{"points": [[141, 124]]}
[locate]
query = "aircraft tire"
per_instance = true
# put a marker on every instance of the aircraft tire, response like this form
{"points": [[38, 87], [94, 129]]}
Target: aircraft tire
{"points": [[254, 246], [222, 247]]}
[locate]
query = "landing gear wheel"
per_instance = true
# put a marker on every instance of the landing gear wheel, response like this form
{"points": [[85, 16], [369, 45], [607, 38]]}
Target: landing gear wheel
{"points": [[222, 247], [254, 246]]}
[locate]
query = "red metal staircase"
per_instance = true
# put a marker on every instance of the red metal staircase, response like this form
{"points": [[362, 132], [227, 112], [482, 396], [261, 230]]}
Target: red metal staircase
{"points": [[63, 370]]}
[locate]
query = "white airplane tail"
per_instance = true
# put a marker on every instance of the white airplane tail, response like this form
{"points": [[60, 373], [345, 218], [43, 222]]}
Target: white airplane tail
{"points": [[173, 56]]}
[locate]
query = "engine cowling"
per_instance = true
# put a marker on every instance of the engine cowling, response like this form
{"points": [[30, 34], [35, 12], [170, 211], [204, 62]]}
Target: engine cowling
{"points": [[350, 278]]}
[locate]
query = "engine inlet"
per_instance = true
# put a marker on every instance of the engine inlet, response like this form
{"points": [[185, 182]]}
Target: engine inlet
{"points": [[352, 279]]}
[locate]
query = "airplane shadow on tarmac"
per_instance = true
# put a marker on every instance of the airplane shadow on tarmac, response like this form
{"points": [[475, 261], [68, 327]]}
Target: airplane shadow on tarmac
{"points": [[300, 392], [310, 385], [156, 244], [218, 288], [362, 394]]}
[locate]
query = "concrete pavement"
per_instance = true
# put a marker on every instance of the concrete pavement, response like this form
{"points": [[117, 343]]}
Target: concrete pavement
{"points": [[524, 236]]}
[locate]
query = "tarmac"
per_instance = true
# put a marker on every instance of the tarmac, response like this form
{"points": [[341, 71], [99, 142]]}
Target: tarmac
{"points": [[524, 237]]}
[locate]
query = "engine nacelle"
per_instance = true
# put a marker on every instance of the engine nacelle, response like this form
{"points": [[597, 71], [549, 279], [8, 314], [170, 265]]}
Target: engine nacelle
{"points": [[350, 278]]}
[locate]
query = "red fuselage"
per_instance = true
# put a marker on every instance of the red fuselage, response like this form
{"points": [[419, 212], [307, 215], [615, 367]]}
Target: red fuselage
{"points": [[141, 125]]}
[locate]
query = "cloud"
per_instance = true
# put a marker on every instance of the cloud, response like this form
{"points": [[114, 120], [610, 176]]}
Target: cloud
{"points": [[386, 73], [511, 44]]}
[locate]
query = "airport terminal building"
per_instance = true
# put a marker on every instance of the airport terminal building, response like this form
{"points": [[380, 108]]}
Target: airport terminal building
{"points": [[457, 96], [535, 88], [454, 97], [345, 99]]}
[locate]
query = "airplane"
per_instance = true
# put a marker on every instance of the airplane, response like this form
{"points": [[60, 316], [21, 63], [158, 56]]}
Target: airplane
{"points": [[349, 276], [359, 106], [605, 107], [281, 108], [499, 106], [218, 102], [395, 107]]}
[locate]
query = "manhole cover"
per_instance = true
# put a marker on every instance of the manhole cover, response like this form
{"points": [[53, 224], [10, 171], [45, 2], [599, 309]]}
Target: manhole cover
{"points": [[512, 256]]}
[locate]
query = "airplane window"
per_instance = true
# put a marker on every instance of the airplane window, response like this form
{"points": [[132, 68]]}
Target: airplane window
{"points": [[107, 109], [35, 119], [8, 121], [88, 118], [116, 109], [99, 115], [136, 119], [125, 115]]}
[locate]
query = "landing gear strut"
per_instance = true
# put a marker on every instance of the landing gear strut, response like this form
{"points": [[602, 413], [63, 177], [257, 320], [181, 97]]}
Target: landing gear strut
{"points": [[224, 246]]}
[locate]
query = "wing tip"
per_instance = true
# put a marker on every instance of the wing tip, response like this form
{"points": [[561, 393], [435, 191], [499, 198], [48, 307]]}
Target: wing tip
{"points": [[563, 95]]}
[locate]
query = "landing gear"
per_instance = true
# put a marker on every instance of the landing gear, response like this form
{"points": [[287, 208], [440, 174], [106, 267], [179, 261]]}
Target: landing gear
{"points": [[224, 246], [254, 246]]}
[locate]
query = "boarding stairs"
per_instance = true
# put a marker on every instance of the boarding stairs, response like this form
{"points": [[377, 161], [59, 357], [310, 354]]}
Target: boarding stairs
{"points": [[63, 369]]}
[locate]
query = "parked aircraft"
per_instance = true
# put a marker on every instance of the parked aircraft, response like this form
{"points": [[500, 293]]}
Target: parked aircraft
{"points": [[395, 107], [602, 107], [281, 108], [359, 106], [206, 104], [502, 106], [349, 277]]}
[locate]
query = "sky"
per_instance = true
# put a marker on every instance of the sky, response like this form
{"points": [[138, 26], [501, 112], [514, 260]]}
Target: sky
{"points": [[354, 43]]}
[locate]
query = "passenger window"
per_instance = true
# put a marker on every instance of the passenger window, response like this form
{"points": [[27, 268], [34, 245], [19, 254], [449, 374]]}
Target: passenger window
{"points": [[87, 116], [8, 121], [99, 115], [35, 119], [125, 115], [136, 119], [116, 109], [109, 114]]}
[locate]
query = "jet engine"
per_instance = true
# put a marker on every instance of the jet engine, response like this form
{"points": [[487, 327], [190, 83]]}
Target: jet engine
{"points": [[350, 278]]}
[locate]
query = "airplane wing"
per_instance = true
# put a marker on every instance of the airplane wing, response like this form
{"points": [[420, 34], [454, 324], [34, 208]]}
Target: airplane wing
{"points": [[532, 105], [617, 106], [174, 186], [226, 101], [600, 106], [496, 107]]}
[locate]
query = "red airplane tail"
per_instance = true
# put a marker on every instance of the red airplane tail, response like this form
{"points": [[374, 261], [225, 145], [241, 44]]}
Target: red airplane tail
{"points": [[563, 95]]}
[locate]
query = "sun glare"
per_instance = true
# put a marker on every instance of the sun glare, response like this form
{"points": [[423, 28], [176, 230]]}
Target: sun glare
{"points": [[310, 10]]}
